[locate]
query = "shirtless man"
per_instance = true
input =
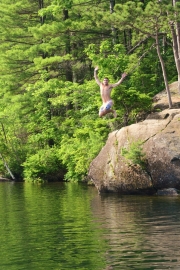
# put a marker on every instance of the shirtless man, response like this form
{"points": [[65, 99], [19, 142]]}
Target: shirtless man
{"points": [[105, 90]]}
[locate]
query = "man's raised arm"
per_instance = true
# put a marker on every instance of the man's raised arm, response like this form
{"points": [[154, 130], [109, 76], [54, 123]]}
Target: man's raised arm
{"points": [[120, 81], [96, 77]]}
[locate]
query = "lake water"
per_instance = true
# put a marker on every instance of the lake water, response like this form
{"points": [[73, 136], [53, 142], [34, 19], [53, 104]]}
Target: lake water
{"points": [[70, 226]]}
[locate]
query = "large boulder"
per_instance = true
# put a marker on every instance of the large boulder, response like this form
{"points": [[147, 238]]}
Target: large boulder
{"points": [[160, 134]]}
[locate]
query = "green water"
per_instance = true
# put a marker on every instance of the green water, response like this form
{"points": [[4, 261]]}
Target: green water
{"points": [[69, 226]]}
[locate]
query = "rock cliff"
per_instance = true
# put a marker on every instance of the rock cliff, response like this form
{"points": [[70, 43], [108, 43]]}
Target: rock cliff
{"points": [[159, 134]]}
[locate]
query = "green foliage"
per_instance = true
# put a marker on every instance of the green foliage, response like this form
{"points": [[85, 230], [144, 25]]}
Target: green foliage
{"points": [[111, 59], [49, 100], [134, 153], [43, 165], [77, 152]]}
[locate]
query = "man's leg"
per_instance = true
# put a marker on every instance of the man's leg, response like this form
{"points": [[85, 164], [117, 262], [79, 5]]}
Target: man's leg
{"points": [[105, 109], [109, 108], [101, 111]]}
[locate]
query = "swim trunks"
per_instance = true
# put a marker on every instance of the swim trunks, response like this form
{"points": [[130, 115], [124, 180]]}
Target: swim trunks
{"points": [[107, 106]]}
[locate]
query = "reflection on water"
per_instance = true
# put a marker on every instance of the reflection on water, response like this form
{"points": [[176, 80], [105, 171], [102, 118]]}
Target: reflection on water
{"points": [[69, 226], [143, 232]]}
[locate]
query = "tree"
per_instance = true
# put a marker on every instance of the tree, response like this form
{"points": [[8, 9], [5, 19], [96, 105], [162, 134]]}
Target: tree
{"points": [[174, 23], [145, 23]]}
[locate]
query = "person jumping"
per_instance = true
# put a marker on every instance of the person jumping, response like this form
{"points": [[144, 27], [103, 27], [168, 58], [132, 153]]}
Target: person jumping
{"points": [[105, 90]]}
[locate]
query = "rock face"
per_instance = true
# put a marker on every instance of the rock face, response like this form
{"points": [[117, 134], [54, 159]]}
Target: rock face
{"points": [[160, 134]]}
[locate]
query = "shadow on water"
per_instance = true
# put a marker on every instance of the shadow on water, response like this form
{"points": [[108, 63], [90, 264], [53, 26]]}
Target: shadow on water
{"points": [[70, 226]]}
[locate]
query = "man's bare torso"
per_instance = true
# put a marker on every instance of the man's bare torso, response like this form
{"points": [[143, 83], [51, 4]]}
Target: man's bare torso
{"points": [[105, 92]]}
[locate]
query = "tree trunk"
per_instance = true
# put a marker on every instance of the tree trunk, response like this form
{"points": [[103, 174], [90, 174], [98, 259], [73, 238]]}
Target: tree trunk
{"points": [[164, 72], [7, 167], [114, 30], [68, 68], [176, 52], [41, 5], [176, 43], [127, 39]]}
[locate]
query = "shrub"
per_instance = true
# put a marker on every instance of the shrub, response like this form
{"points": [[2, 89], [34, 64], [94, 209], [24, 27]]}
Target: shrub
{"points": [[134, 153]]}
